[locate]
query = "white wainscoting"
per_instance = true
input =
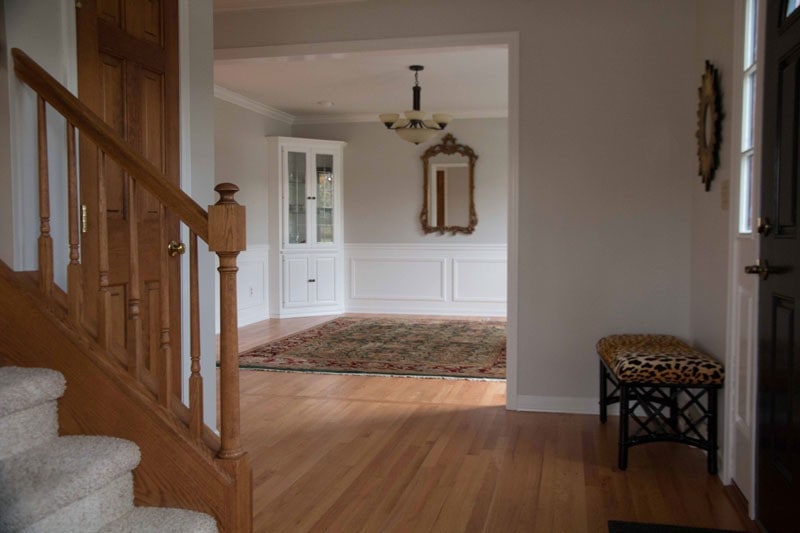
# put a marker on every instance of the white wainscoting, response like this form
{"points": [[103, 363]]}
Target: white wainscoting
{"points": [[435, 279], [251, 284]]}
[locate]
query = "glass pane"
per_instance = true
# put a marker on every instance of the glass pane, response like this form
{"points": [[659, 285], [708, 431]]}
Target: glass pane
{"points": [[791, 6], [748, 111], [297, 197], [745, 190], [750, 34], [325, 198]]}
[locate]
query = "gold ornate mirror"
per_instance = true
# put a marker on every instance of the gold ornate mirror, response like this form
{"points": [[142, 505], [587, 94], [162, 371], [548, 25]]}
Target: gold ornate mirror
{"points": [[709, 120], [449, 188]]}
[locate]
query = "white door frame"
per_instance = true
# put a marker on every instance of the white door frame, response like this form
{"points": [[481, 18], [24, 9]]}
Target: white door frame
{"points": [[508, 39], [741, 378]]}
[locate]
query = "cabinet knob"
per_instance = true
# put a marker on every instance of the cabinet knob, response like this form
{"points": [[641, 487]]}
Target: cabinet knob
{"points": [[312, 280]]}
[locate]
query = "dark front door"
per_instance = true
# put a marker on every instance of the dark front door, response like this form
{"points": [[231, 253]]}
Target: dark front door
{"points": [[778, 490], [128, 74]]}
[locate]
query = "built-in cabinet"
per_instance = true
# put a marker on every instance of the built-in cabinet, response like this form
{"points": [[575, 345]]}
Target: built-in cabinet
{"points": [[305, 226]]}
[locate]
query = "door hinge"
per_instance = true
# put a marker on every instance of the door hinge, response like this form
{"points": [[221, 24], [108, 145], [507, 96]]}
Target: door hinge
{"points": [[84, 219]]}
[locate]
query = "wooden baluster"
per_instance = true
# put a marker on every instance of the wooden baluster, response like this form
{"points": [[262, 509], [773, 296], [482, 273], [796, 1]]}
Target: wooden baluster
{"points": [[45, 240], [165, 368], [74, 289], [104, 295], [195, 379], [226, 237], [134, 340]]}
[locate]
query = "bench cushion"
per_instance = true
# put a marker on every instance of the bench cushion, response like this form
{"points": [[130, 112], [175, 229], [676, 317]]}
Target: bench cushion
{"points": [[658, 359]]}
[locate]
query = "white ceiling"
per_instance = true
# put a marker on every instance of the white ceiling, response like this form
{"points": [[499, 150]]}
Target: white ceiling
{"points": [[463, 81]]}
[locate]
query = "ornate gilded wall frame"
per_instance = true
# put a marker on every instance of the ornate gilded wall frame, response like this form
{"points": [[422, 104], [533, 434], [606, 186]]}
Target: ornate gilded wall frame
{"points": [[448, 146], [709, 124]]}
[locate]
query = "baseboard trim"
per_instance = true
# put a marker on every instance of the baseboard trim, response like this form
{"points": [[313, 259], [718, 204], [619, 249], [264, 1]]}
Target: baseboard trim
{"points": [[304, 312], [562, 404]]}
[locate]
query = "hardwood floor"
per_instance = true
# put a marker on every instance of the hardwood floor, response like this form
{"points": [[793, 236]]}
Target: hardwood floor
{"points": [[375, 454], [378, 454]]}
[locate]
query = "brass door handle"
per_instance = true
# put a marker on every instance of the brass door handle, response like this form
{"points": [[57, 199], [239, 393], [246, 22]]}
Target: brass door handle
{"points": [[176, 248], [761, 268]]}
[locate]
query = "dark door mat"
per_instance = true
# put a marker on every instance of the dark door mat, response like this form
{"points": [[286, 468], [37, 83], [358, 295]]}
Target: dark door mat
{"points": [[616, 526]]}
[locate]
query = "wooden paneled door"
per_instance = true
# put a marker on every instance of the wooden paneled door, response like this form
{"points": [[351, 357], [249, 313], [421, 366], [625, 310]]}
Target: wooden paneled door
{"points": [[128, 73], [778, 470]]}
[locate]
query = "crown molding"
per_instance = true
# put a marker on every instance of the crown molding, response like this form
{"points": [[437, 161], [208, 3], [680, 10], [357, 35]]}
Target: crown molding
{"points": [[373, 117], [248, 103], [274, 4]]}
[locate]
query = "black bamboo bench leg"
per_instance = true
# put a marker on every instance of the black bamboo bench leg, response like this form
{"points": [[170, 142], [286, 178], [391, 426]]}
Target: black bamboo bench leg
{"points": [[623, 426], [711, 394], [603, 394]]}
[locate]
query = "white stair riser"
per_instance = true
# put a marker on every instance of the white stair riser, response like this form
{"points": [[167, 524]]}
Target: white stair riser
{"points": [[28, 428], [91, 513]]}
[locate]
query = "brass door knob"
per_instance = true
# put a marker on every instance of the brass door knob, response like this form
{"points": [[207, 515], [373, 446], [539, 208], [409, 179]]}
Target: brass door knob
{"points": [[176, 248], [761, 268]]}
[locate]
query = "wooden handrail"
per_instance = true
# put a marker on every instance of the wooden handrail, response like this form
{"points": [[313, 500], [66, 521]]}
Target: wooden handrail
{"points": [[100, 133], [222, 227]]}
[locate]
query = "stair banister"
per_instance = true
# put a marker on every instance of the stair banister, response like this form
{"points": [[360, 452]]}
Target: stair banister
{"points": [[108, 141], [222, 227]]}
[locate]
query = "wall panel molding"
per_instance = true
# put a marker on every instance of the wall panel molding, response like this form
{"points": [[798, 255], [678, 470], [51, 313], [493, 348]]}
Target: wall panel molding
{"points": [[443, 279]]}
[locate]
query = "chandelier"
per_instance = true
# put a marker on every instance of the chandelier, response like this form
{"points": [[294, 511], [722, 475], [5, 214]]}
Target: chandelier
{"points": [[414, 128]]}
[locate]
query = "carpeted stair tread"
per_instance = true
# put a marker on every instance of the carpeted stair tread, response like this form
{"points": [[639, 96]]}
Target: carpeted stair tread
{"points": [[42, 480], [23, 388], [162, 520]]}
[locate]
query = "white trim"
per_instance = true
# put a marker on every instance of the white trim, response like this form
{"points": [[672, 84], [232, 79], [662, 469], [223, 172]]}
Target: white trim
{"points": [[441, 261], [417, 309], [455, 296], [512, 306], [727, 455], [184, 98], [510, 39], [373, 117], [297, 313], [249, 313], [562, 404], [449, 247], [275, 4], [241, 100]]}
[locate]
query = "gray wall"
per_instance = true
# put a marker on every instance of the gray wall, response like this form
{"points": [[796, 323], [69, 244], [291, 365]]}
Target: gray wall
{"points": [[710, 223], [241, 158], [607, 104], [383, 181]]}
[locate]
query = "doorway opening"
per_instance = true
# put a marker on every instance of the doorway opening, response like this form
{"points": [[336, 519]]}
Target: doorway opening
{"points": [[447, 276]]}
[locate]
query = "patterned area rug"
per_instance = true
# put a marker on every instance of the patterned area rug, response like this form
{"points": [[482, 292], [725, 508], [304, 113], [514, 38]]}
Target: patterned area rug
{"points": [[409, 347]]}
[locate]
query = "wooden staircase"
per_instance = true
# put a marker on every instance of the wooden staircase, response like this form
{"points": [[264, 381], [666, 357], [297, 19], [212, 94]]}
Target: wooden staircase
{"points": [[184, 463]]}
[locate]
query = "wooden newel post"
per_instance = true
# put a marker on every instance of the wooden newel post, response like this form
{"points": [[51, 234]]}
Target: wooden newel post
{"points": [[226, 237]]}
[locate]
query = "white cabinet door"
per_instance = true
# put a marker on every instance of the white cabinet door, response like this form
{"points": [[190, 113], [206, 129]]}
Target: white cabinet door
{"points": [[295, 281], [325, 280]]}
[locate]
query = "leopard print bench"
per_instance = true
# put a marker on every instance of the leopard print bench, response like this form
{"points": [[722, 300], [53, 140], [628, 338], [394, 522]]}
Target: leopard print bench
{"points": [[666, 389]]}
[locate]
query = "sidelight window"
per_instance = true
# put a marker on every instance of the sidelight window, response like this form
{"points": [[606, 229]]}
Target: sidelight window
{"points": [[747, 146]]}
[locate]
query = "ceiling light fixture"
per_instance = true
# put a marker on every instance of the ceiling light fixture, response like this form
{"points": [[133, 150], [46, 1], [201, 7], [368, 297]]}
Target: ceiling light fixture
{"points": [[414, 128]]}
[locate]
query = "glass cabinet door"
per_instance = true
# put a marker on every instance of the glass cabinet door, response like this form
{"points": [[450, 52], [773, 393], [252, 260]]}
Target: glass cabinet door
{"points": [[296, 197], [325, 180]]}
